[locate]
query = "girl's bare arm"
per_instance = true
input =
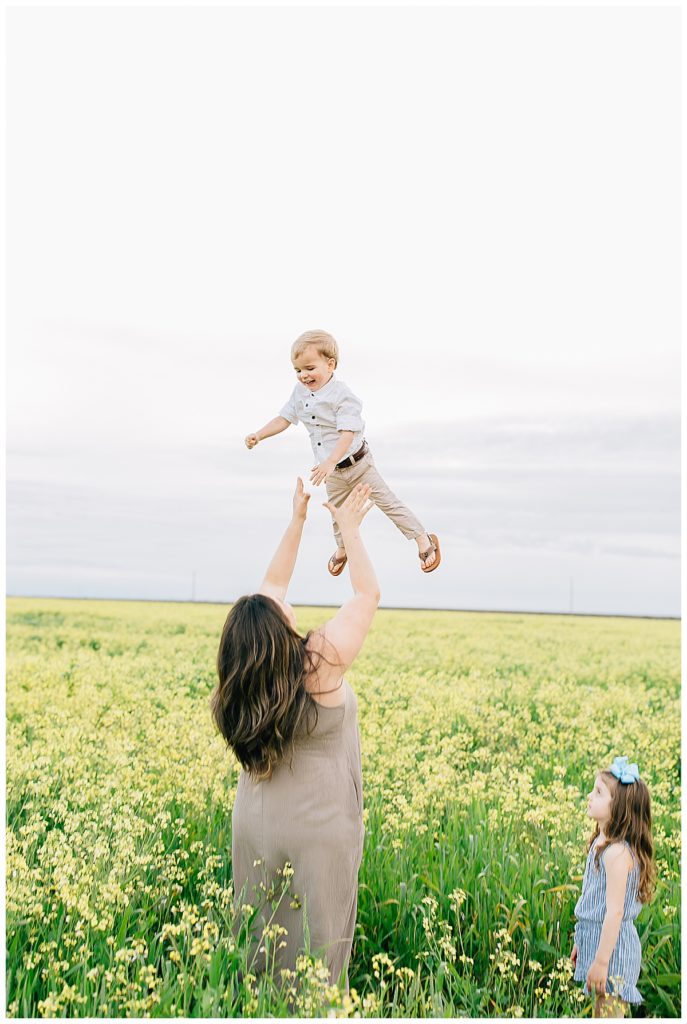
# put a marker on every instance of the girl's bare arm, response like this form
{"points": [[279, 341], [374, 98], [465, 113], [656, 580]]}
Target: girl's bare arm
{"points": [[617, 864]]}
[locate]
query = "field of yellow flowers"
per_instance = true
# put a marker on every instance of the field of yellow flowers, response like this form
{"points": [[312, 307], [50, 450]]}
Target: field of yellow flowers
{"points": [[481, 735]]}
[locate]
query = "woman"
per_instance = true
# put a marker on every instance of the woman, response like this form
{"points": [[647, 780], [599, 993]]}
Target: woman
{"points": [[286, 711]]}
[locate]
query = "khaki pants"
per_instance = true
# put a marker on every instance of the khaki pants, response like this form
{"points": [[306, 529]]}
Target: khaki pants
{"points": [[341, 482]]}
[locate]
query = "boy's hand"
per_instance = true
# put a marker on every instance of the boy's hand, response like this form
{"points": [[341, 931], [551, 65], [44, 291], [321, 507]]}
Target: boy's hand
{"points": [[251, 440], [573, 955], [321, 472]]}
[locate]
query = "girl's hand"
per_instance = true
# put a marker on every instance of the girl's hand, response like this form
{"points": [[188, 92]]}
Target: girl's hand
{"points": [[251, 440], [300, 501], [573, 955], [596, 977], [354, 509]]}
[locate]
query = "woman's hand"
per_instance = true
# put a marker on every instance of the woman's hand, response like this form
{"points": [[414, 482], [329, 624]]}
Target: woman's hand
{"points": [[596, 977], [251, 440], [300, 501], [573, 955], [354, 509]]}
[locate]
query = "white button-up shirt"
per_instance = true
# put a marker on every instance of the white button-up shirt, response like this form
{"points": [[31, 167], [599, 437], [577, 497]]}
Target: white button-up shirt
{"points": [[324, 413]]}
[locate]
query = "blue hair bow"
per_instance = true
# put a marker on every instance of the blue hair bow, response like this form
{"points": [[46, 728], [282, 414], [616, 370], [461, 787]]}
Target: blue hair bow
{"points": [[625, 772]]}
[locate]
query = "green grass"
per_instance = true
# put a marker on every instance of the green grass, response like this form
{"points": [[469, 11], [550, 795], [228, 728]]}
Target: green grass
{"points": [[481, 735]]}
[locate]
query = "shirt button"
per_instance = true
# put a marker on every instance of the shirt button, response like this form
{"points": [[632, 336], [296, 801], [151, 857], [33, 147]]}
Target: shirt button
{"points": [[319, 443], [312, 417], [306, 405]]}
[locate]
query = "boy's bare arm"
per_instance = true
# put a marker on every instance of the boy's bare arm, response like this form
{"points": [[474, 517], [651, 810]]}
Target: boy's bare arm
{"points": [[274, 426], [321, 472]]}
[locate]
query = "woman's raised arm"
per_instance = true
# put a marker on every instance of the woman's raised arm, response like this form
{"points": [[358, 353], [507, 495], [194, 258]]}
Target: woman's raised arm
{"points": [[280, 569], [341, 639]]}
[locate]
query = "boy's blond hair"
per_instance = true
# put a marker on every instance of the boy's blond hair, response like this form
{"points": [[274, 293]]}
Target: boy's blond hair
{"points": [[323, 342]]}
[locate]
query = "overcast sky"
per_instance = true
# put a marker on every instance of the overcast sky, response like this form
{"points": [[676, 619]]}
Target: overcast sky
{"points": [[480, 204]]}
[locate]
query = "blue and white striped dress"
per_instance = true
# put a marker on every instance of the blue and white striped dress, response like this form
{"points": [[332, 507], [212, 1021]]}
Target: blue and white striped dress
{"points": [[626, 959]]}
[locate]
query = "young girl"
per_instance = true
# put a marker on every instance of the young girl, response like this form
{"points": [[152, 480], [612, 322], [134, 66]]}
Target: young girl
{"points": [[618, 880]]}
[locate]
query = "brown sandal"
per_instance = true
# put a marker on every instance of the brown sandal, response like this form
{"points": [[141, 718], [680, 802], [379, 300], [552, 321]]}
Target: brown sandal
{"points": [[336, 565], [424, 555]]}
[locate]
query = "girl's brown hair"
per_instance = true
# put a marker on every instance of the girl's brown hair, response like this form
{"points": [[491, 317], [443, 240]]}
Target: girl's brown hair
{"points": [[630, 820], [261, 702]]}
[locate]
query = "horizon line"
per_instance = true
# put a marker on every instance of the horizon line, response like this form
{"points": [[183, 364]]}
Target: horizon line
{"points": [[388, 608]]}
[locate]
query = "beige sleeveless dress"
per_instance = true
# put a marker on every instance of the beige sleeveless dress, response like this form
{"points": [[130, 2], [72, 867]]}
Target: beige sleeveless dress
{"points": [[308, 813]]}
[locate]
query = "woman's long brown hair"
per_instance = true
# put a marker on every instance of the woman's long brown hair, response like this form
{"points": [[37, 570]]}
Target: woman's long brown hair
{"points": [[630, 820], [261, 702]]}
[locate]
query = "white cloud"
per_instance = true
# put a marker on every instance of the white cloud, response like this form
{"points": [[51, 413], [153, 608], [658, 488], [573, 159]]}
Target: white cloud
{"points": [[562, 496], [490, 231]]}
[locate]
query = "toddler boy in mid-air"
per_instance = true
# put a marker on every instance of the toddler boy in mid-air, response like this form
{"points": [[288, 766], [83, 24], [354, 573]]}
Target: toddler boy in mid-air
{"points": [[331, 414]]}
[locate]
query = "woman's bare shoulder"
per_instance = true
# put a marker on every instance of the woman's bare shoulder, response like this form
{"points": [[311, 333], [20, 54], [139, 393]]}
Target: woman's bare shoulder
{"points": [[324, 681]]}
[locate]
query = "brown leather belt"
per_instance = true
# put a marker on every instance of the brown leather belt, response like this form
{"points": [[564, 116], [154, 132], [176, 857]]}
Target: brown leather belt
{"points": [[352, 459]]}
